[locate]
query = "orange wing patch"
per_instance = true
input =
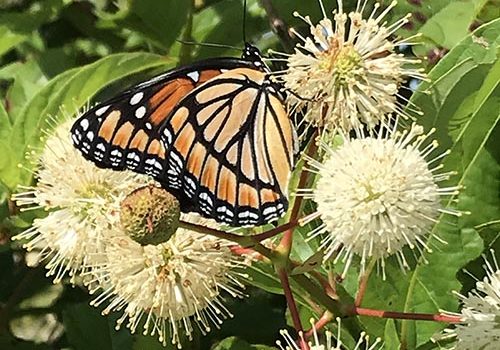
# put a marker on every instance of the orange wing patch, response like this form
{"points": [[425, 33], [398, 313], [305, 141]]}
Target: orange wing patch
{"points": [[109, 125], [156, 148], [123, 135], [179, 118], [210, 131], [209, 174], [165, 100], [185, 140], [208, 94], [139, 141], [247, 196], [195, 160], [247, 165], [203, 115], [207, 75], [268, 196], [226, 188], [278, 162]]}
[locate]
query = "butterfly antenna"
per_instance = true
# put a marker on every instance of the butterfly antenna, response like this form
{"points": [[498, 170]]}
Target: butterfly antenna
{"points": [[220, 46], [244, 21]]}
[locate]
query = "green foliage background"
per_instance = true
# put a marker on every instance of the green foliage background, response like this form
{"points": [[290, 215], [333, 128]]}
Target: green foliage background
{"points": [[56, 55]]}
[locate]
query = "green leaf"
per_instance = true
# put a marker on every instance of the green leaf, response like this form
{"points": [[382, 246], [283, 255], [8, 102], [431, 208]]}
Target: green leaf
{"points": [[465, 109], [7, 341], [86, 328], [262, 275], [234, 343], [70, 90], [450, 25], [463, 106], [16, 27], [28, 80], [159, 21], [286, 9], [148, 342], [5, 130], [312, 263], [490, 11], [222, 24], [391, 340], [5, 125]]}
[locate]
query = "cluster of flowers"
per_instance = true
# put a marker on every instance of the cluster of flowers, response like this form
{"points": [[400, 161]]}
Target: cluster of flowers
{"points": [[376, 192]]}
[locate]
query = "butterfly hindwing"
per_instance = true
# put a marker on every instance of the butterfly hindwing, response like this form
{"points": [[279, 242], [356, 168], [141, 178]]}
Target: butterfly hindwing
{"points": [[123, 132], [229, 148]]}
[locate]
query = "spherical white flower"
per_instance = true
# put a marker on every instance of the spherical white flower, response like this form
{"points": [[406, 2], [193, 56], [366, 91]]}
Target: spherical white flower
{"points": [[82, 201], [171, 287], [376, 195], [346, 75], [362, 344], [480, 327]]}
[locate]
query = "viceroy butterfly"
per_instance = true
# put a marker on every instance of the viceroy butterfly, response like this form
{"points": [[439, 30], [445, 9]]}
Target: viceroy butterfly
{"points": [[214, 133]]}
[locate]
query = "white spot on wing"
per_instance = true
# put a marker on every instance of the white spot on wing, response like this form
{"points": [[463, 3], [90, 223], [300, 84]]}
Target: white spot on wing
{"points": [[168, 137], [101, 111], [136, 98], [84, 124], [90, 136], [140, 112], [194, 75]]}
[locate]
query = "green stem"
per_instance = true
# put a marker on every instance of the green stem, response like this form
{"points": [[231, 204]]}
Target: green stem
{"points": [[406, 315], [486, 224], [285, 246]]}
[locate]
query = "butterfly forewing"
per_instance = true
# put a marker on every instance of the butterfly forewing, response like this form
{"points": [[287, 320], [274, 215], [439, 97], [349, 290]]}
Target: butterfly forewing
{"points": [[214, 133], [123, 132], [229, 149]]}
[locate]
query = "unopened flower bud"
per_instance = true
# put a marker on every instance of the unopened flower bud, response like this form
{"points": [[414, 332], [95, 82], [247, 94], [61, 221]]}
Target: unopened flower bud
{"points": [[150, 215]]}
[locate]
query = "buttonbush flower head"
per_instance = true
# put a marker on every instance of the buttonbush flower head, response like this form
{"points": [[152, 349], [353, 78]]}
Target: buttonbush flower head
{"points": [[347, 74], [376, 195], [480, 327], [172, 287], [330, 342], [82, 201]]}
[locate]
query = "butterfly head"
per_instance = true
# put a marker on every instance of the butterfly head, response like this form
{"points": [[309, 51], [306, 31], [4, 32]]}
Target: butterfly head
{"points": [[252, 54]]}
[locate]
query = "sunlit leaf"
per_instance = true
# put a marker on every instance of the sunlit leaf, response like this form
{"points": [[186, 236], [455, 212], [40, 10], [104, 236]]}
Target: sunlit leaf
{"points": [[464, 106], [70, 90]]}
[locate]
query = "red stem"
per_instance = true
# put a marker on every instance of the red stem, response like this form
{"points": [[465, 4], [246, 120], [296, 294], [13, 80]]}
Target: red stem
{"points": [[325, 318], [361, 289], [239, 250], [406, 315], [294, 312], [273, 232], [237, 238]]}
